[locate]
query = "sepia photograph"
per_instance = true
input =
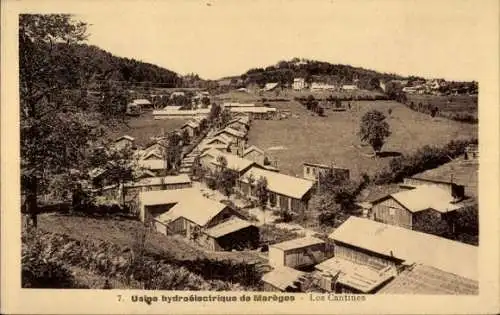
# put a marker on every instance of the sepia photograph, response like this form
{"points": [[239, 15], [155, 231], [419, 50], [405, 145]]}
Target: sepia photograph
{"points": [[248, 148]]}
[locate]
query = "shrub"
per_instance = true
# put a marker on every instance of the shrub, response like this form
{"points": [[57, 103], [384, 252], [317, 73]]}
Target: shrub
{"points": [[427, 157]]}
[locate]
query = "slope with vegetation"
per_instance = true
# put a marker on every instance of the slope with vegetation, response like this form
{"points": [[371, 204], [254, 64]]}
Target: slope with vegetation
{"points": [[285, 71]]}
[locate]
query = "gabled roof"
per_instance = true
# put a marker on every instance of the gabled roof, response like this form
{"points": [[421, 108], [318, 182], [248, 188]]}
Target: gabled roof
{"points": [[165, 180], [283, 277], [253, 148], [270, 86], [152, 164], [234, 162], [141, 101], [164, 197], [221, 138], [194, 208], [127, 137], [410, 246], [152, 153], [280, 183], [230, 226], [425, 197], [232, 132], [298, 243], [191, 124]]}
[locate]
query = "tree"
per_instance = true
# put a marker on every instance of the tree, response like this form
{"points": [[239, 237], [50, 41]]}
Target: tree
{"points": [[227, 181], [185, 137], [327, 209], [55, 130], [261, 192], [374, 129], [174, 151], [432, 223]]}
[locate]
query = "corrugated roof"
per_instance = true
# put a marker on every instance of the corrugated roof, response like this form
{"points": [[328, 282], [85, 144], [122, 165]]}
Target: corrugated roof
{"points": [[166, 180], [280, 183], [298, 243], [409, 245], [360, 277], [232, 225], [421, 279], [283, 277], [195, 208], [424, 197]]}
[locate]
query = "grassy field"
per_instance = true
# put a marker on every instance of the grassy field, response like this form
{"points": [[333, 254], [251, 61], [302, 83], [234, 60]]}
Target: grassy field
{"points": [[448, 104], [288, 94], [125, 232], [144, 127], [305, 137]]}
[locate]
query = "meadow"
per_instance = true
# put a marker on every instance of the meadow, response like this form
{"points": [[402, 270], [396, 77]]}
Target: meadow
{"points": [[143, 127], [452, 104], [306, 137]]}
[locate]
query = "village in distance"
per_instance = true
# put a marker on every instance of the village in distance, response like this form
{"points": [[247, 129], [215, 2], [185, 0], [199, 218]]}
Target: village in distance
{"points": [[303, 176]]}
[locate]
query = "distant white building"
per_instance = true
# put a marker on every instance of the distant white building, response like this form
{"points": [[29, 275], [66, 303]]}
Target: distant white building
{"points": [[315, 86], [299, 83], [349, 87], [271, 86]]}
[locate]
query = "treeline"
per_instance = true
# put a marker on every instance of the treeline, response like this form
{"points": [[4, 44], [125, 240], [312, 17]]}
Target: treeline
{"points": [[285, 71], [394, 92], [104, 66], [425, 158]]}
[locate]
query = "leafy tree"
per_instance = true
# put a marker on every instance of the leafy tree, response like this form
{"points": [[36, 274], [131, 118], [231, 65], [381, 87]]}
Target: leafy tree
{"points": [[374, 129], [325, 205], [214, 114], [226, 180], [174, 151], [54, 130], [224, 118], [261, 192], [431, 223], [186, 139], [222, 162]]}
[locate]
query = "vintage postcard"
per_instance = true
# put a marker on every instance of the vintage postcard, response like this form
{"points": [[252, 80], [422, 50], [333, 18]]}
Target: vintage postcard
{"points": [[250, 157]]}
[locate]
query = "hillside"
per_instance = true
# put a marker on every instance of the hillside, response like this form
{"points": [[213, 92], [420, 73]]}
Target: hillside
{"points": [[107, 66], [285, 71]]}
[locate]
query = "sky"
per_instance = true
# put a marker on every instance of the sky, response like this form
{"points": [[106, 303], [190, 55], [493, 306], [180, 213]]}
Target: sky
{"points": [[217, 38]]}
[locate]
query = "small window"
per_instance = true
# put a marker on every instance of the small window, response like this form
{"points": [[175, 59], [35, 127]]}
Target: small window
{"points": [[392, 211]]}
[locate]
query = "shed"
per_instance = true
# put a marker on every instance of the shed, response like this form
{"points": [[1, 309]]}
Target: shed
{"points": [[344, 276], [283, 279], [405, 207], [234, 233], [297, 253], [287, 193]]}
